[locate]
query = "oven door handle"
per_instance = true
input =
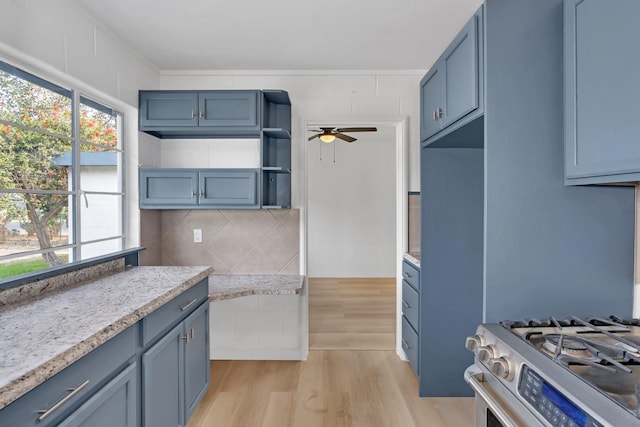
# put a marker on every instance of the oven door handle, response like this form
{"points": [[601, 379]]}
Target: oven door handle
{"points": [[475, 379]]}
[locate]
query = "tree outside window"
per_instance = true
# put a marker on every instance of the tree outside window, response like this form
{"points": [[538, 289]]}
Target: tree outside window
{"points": [[38, 194]]}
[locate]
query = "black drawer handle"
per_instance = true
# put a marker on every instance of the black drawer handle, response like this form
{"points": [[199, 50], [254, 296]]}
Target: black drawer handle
{"points": [[406, 344], [406, 304], [72, 392], [187, 305]]}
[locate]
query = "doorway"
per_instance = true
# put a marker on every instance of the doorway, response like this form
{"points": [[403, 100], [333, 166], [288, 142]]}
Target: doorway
{"points": [[355, 232]]}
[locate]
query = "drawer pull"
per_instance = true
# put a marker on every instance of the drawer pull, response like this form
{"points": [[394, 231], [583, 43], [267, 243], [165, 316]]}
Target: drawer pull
{"points": [[406, 304], [72, 392], [187, 305], [406, 344], [406, 274], [192, 332]]}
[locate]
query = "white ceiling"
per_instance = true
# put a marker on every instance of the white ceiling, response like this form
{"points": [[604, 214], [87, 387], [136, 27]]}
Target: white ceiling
{"points": [[284, 34]]}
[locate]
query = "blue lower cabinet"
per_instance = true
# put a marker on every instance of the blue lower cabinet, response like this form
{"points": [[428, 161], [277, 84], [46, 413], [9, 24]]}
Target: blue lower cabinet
{"points": [[152, 374], [175, 372], [162, 379], [410, 345], [196, 358], [51, 402], [114, 405]]}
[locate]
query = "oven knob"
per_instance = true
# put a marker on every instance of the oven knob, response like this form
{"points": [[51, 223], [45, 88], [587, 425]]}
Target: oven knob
{"points": [[474, 343], [487, 352], [502, 367]]}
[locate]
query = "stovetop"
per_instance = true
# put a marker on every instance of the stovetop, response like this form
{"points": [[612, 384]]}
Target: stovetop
{"points": [[603, 353]]}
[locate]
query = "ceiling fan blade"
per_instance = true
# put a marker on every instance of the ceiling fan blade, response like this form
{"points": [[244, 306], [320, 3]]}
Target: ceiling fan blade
{"points": [[314, 130], [344, 137], [358, 129], [313, 137]]}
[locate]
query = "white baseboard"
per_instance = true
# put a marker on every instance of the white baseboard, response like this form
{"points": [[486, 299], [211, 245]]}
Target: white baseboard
{"points": [[258, 355]]}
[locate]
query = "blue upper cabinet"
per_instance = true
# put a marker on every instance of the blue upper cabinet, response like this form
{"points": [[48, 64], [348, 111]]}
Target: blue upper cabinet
{"points": [[229, 109], [602, 89], [171, 188], [430, 101], [168, 108], [229, 188], [451, 93], [215, 113]]}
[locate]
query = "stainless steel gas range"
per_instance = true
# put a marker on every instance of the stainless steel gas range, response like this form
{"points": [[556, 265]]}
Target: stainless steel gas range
{"points": [[570, 372]]}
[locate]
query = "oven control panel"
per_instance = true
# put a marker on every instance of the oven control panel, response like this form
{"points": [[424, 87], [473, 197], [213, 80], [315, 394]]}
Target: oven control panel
{"points": [[550, 403]]}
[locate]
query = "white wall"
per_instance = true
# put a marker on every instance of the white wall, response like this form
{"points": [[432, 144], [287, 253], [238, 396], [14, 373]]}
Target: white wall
{"points": [[352, 213]]}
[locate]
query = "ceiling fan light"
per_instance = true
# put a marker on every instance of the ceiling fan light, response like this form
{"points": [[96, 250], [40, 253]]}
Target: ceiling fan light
{"points": [[328, 138]]}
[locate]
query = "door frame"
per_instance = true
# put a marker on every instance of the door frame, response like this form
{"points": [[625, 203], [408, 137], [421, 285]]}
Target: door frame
{"points": [[401, 125]]}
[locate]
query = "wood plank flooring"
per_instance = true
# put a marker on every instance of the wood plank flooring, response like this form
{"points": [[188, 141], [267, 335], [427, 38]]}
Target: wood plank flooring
{"points": [[343, 388], [340, 385], [358, 314]]}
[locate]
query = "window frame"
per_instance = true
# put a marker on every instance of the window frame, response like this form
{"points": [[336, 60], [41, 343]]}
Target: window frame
{"points": [[78, 97]]}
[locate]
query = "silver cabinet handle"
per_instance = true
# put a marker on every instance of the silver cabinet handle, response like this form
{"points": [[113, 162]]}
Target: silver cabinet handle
{"points": [[406, 344], [202, 194], [433, 115], [194, 194], [193, 114], [407, 274], [72, 392], [187, 305], [439, 113], [189, 335], [201, 114], [406, 304]]}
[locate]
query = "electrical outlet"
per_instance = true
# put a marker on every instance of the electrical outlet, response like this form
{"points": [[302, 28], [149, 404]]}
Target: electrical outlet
{"points": [[197, 235]]}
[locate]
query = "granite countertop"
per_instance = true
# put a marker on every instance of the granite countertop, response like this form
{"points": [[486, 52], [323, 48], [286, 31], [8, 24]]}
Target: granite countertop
{"points": [[226, 286], [413, 258], [42, 337]]}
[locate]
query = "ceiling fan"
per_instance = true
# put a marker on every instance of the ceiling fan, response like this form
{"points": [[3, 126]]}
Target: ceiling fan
{"points": [[329, 134]]}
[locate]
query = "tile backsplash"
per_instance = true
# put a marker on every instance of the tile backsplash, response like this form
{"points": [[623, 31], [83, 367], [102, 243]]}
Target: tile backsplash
{"points": [[414, 222], [233, 241]]}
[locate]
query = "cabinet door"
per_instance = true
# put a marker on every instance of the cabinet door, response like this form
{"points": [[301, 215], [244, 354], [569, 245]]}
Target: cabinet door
{"points": [[229, 109], [163, 381], [410, 341], [229, 188], [430, 101], [114, 405], [196, 358], [461, 78], [168, 109], [602, 89], [162, 188]]}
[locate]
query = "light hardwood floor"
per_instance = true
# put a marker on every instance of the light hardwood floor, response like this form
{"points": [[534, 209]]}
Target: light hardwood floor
{"points": [[338, 386], [358, 314]]}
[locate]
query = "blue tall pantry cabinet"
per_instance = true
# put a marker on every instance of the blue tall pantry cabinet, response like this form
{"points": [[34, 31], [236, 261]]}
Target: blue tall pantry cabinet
{"points": [[502, 236]]}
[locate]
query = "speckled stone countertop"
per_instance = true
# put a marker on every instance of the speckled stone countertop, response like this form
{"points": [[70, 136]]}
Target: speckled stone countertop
{"points": [[42, 337], [226, 286], [413, 258]]}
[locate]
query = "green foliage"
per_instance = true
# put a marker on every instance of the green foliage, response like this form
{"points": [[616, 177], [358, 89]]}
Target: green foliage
{"points": [[21, 267], [27, 157]]}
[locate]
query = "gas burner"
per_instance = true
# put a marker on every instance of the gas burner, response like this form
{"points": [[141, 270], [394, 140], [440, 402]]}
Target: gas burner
{"points": [[569, 345]]}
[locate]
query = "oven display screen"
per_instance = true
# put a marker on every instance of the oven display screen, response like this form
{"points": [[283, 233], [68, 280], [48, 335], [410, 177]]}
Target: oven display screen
{"points": [[566, 407], [551, 404]]}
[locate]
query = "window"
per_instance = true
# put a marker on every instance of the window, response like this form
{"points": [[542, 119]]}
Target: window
{"points": [[61, 175]]}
